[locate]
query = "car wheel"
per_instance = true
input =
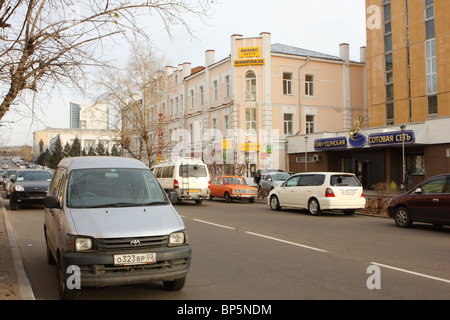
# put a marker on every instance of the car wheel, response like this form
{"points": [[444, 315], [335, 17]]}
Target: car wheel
{"points": [[251, 200], [198, 201], [175, 285], [314, 207], [274, 203], [64, 292], [227, 197], [402, 217], [349, 212], [13, 203]]}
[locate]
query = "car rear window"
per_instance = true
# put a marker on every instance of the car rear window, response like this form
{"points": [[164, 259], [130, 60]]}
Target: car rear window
{"points": [[344, 180], [192, 171]]}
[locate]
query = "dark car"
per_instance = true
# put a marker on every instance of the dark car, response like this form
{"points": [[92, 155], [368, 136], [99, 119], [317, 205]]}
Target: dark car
{"points": [[29, 187], [428, 202]]}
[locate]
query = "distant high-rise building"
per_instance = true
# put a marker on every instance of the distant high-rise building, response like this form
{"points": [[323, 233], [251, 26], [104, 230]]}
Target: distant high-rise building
{"points": [[75, 116]]}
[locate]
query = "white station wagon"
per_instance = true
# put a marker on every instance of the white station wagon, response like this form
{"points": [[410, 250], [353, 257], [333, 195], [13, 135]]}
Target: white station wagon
{"points": [[317, 191]]}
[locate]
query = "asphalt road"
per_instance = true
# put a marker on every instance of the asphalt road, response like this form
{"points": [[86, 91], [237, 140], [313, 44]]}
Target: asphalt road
{"points": [[246, 251]]}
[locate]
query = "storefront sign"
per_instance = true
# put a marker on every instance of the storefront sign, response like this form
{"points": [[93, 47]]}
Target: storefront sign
{"points": [[330, 143], [390, 138], [249, 147], [248, 62], [249, 52]]}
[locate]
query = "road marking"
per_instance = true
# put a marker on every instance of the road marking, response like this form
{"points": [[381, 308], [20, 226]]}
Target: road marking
{"points": [[411, 272], [288, 242], [215, 224]]}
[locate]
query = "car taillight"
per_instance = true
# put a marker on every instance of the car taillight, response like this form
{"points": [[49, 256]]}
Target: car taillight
{"points": [[175, 184], [329, 193], [362, 194], [209, 184]]}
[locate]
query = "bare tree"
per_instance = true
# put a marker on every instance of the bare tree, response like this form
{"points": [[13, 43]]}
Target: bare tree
{"points": [[135, 96], [48, 42]]}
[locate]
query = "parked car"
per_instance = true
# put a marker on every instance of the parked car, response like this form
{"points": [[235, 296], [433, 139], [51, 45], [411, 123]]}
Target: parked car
{"points": [[261, 172], [231, 187], [6, 178], [187, 177], [319, 191], [28, 187], [110, 217], [273, 180], [428, 202]]}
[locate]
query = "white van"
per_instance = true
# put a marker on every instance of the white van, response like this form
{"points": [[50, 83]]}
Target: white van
{"points": [[109, 218], [188, 177], [317, 191]]}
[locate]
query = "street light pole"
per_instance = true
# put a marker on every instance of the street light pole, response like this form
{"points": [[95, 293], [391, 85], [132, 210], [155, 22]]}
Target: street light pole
{"points": [[402, 128], [306, 154]]}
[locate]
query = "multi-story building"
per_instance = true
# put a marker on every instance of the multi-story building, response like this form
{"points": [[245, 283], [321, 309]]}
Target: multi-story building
{"points": [[406, 131], [241, 109]]}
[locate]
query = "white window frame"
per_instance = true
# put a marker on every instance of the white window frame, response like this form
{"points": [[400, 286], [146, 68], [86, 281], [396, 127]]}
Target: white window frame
{"points": [[287, 84], [310, 126], [250, 121], [288, 124], [309, 86], [215, 90], [227, 86], [250, 86]]}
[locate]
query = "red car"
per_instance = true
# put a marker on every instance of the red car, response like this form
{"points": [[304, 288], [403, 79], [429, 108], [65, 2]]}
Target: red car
{"points": [[428, 202], [230, 187]]}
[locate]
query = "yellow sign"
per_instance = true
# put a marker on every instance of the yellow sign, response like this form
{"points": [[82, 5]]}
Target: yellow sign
{"points": [[248, 62], [249, 52], [226, 144], [249, 147]]}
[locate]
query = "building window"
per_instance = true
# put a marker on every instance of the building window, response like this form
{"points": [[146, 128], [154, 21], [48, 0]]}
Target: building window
{"points": [[309, 85], [171, 107], [250, 86], [429, 19], [250, 121], [176, 105], [287, 83], [192, 99], [389, 73], [227, 86], [201, 96], [214, 127], [431, 67], [215, 92], [309, 124], [226, 122], [288, 123]]}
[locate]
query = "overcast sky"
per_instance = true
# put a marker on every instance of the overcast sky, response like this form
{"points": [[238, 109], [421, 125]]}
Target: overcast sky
{"points": [[319, 25]]}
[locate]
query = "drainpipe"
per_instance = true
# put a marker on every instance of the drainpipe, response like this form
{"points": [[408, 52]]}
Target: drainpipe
{"points": [[300, 95]]}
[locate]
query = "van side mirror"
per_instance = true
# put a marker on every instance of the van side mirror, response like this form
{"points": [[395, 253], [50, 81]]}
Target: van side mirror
{"points": [[52, 202]]}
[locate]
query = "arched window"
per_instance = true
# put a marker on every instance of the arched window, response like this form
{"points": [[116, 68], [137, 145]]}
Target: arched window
{"points": [[250, 86]]}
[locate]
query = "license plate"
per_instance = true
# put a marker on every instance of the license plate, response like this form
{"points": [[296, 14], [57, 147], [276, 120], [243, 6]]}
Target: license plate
{"points": [[194, 191], [133, 259]]}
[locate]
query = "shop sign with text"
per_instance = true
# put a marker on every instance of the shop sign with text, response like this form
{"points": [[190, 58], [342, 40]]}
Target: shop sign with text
{"points": [[391, 138]]}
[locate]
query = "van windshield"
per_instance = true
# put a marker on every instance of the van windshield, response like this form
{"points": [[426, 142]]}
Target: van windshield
{"points": [[96, 188], [344, 180], [192, 171]]}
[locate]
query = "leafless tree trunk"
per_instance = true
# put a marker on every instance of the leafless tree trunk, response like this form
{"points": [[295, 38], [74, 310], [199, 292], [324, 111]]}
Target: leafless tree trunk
{"points": [[135, 96], [47, 42]]}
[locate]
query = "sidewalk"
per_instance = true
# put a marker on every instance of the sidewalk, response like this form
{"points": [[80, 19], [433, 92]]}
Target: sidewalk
{"points": [[14, 284]]}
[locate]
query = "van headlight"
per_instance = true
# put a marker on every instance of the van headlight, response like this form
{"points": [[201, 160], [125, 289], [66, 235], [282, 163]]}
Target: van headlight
{"points": [[78, 244], [176, 238]]}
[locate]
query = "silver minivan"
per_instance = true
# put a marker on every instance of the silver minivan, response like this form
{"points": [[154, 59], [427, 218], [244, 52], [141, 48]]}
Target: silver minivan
{"points": [[109, 222]]}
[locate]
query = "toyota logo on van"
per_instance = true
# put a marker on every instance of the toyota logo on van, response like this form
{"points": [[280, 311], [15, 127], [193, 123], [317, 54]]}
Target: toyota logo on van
{"points": [[135, 243]]}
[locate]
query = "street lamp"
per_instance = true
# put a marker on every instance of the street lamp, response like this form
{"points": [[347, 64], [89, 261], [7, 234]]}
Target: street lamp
{"points": [[402, 128], [306, 154]]}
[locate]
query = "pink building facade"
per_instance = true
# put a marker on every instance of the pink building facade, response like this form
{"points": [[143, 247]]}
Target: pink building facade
{"points": [[240, 110]]}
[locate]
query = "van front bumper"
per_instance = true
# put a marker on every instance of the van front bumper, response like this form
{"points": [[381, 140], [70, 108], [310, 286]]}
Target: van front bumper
{"points": [[98, 270]]}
